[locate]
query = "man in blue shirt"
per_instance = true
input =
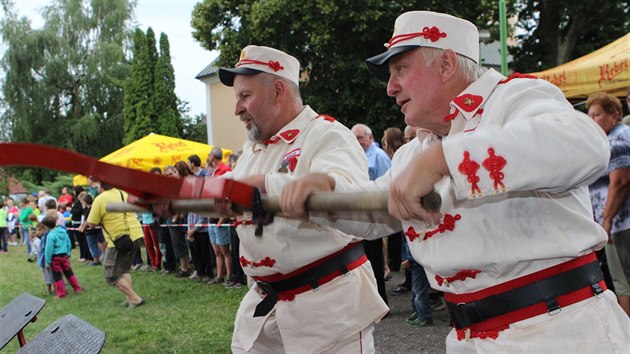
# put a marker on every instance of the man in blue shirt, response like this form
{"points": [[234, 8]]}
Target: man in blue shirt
{"points": [[378, 161], [378, 164]]}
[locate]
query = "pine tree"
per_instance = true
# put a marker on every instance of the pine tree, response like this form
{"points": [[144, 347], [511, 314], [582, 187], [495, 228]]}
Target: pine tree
{"points": [[169, 121], [133, 93]]}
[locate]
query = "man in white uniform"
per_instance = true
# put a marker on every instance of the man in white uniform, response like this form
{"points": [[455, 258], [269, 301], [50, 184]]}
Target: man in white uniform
{"points": [[512, 246], [315, 290]]}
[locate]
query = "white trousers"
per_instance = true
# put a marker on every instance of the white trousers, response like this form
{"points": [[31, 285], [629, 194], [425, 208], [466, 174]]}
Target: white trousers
{"points": [[270, 341]]}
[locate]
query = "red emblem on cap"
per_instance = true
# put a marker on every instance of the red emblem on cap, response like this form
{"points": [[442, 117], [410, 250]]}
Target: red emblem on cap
{"points": [[433, 33], [274, 65], [468, 102]]}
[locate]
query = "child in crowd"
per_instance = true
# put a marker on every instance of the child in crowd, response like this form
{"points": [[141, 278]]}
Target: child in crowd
{"points": [[39, 244], [57, 254], [51, 204]]}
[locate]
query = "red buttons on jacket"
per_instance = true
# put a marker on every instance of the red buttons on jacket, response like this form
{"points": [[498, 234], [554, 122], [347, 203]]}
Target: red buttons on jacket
{"points": [[448, 224], [494, 164], [469, 168], [411, 234]]}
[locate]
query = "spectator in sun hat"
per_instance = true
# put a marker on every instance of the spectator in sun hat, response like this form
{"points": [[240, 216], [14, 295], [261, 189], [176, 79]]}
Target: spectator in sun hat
{"points": [[512, 246], [288, 139]]}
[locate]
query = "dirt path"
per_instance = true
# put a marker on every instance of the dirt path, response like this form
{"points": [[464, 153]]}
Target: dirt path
{"points": [[394, 335]]}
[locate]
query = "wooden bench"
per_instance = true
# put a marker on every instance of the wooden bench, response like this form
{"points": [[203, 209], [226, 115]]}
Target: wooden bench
{"points": [[16, 315], [69, 334]]}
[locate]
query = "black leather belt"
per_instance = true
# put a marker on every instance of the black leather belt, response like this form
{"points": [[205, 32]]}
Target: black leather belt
{"points": [[337, 263], [546, 290]]}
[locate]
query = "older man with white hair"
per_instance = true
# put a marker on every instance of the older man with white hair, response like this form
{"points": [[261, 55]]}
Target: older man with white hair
{"points": [[512, 246]]}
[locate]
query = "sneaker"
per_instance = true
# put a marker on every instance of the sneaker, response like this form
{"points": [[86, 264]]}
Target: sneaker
{"points": [[133, 306], [92, 264], [413, 317], [400, 289], [216, 281], [81, 260], [421, 323], [146, 268], [136, 266], [232, 284]]}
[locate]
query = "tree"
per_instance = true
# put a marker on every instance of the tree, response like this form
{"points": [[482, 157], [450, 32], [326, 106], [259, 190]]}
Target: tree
{"points": [[151, 105], [557, 31], [133, 93], [195, 128], [331, 39], [169, 121], [140, 113], [63, 83]]}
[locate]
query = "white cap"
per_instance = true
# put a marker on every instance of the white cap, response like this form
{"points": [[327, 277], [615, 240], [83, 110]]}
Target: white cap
{"points": [[427, 29], [256, 59]]}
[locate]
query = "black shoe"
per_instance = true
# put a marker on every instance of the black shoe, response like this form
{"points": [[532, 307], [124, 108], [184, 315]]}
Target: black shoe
{"points": [[400, 289], [182, 274]]}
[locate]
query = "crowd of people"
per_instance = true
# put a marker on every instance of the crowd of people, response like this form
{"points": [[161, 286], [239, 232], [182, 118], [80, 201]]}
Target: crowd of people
{"points": [[185, 245], [515, 248]]}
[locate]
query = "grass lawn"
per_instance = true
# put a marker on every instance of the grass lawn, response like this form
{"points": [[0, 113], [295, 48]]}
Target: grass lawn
{"points": [[180, 316]]}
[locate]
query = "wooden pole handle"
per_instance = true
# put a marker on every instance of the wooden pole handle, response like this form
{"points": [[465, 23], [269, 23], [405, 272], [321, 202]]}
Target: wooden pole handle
{"points": [[358, 201]]}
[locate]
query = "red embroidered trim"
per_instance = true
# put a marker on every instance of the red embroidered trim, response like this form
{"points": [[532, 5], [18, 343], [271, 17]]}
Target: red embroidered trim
{"points": [[411, 233], [479, 112], [517, 76], [433, 34], [494, 164], [265, 262], [448, 224], [274, 65], [272, 141], [469, 168], [451, 116], [468, 102], [461, 334], [290, 135], [327, 117], [461, 275]]}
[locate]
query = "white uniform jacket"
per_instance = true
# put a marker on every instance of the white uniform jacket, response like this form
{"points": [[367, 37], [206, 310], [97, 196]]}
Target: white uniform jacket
{"points": [[314, 320], [517, 202]]}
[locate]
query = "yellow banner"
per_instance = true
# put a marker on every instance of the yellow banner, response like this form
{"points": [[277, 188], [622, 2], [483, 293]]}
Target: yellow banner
{"points": [[606, 69]]}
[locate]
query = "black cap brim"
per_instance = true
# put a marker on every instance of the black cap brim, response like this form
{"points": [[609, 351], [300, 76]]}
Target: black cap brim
{"points": [[226, 75], [378, 65]]}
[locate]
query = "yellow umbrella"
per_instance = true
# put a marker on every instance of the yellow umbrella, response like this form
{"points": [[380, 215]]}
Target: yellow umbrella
{"points": [[154, 150], [606, 69]]}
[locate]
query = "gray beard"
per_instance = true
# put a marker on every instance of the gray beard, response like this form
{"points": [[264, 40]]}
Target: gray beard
{"points": [[255, 135]]}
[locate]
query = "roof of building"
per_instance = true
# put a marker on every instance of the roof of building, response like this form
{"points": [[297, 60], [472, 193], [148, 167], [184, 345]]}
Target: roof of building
{"points": [[210, 70]]}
